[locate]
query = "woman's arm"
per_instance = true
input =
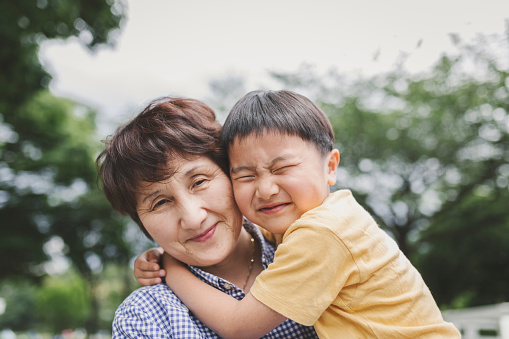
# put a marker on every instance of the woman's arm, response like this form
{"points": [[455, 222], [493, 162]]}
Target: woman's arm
{"points": [[228, 317]]}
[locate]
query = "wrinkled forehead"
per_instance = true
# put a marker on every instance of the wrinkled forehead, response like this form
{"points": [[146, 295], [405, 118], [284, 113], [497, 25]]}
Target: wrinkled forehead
{"points": [[160, 173], [157, 170]]}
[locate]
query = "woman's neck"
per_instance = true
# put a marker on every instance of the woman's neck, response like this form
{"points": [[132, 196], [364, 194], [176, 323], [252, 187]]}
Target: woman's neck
{"points": [[237, 267]]}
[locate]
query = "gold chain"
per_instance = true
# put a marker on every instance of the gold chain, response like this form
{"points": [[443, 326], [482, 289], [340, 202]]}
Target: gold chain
{"points": [[250, 264]]}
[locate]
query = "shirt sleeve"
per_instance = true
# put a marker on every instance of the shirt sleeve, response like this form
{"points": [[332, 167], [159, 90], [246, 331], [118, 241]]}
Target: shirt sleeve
{"points": [[310, 268]]}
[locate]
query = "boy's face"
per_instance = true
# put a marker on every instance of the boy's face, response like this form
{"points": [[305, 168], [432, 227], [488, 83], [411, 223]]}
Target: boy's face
{"points": [[277, 178]]}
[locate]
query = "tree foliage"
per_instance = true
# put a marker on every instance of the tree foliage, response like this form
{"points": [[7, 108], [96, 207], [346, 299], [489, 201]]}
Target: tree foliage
{"points": [[47, 145], [427, 155], [24, 24], [62, 303], [44, 164], [19, 298], [467, 264]]}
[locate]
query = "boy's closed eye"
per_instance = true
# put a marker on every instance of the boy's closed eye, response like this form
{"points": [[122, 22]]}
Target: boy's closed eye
{"points": [[242, 173], [244, 178], [282, 168]]}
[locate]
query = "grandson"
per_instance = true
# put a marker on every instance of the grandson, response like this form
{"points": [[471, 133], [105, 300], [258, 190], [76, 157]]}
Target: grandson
{"points": [[335, 268]]}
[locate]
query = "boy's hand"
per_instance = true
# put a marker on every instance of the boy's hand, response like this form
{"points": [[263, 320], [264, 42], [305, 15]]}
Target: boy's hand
{"points": [[147, 270]]}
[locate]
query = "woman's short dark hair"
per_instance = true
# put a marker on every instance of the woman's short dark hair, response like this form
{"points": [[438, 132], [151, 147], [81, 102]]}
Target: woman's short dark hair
{"points": [[141, 150], [278, 111]]}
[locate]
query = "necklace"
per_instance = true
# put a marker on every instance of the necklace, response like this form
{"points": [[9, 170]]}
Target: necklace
{"points": [[250, 264]]}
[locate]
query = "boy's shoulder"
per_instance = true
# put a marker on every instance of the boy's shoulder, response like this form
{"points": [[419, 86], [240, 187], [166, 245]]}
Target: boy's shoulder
{"points": [[339, 214], [338, 203], [340, 196]]}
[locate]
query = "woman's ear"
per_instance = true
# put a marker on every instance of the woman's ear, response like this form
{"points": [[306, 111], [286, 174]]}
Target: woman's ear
{"points": [[332, 163]]}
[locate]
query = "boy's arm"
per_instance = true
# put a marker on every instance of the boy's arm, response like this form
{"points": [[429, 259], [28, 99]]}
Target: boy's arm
{"points": [[228, 317]]}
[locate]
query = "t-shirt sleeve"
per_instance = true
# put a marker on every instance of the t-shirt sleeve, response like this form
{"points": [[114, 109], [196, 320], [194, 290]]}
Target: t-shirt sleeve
{"points": [[310, 268]]}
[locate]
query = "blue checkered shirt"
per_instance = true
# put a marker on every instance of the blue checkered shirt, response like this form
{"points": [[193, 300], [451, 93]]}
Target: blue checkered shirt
{"points": [[156, 312]]}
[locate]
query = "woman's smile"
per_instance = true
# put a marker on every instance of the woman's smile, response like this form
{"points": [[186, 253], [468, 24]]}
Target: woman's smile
{"points": [[204, 236]]}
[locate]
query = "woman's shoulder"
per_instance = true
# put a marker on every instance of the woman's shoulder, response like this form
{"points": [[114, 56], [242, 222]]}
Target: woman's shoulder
{"points": [[150, 298], [146, 312], [155, 311]]}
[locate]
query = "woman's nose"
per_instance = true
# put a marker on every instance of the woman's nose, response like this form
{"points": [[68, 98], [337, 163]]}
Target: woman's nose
{"points": [[266, 188], [193, 214]]}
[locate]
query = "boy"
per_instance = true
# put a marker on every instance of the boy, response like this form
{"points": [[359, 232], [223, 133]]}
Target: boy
{"points": [[335, 268]]}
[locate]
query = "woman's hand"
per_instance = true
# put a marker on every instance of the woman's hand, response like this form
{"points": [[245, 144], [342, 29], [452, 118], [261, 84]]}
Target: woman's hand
{"points": [[147, 269]]}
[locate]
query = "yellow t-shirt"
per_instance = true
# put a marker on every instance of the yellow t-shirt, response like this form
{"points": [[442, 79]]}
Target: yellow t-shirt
{"points": [[337, 270]]}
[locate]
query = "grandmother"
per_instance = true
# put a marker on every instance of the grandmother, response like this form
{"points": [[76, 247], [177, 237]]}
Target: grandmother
{"points": [[166, 170]]}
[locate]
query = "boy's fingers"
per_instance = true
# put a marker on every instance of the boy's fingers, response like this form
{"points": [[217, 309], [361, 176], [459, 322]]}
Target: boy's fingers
{"points": [[153, 255], [150, 274], [145, 265], [149, 282], [149, 266], [157, 273]]}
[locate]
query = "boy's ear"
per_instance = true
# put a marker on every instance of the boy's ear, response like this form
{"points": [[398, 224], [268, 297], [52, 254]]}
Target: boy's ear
{"points": [[332, 163]]}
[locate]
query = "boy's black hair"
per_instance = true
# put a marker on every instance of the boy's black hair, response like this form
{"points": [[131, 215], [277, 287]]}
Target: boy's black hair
{"points": [[282, 111]]}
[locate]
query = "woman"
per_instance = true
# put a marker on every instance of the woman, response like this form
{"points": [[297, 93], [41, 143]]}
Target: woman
{"points": [[166, 169]]}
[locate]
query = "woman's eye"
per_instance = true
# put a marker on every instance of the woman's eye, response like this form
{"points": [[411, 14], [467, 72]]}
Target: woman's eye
{"points": [[199, 183], [160, 203]]}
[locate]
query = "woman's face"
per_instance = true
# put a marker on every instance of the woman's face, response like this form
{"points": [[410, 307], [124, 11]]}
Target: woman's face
{"points": [[192, 215]]}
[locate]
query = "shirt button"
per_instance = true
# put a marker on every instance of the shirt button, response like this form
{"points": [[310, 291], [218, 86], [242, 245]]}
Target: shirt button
{"points": [[227, 286]]}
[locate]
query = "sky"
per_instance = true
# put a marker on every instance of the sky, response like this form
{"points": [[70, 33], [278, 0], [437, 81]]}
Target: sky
{"points": [[168, 47]]}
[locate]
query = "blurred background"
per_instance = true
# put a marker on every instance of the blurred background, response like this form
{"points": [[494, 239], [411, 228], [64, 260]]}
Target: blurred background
{"points": [[417, 92]]}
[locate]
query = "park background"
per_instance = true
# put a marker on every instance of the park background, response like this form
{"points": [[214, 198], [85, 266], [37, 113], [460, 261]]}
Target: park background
{"points": [[417, 92]]}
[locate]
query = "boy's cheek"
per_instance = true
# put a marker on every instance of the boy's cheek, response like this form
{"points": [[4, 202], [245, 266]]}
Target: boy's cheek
{"points": [[242, 200]]}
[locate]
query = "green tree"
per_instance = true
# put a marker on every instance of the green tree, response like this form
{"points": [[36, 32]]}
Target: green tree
{"points": [[19, 298], [40, 159], [465, 263], [48, 146], [59, 177], [62, 303], [24, 24], [416, 148], [96, 236]]}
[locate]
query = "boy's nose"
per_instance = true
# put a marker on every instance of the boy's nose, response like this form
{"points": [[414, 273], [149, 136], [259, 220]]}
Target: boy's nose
{"points": [[266, 189], [193, 214]]}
